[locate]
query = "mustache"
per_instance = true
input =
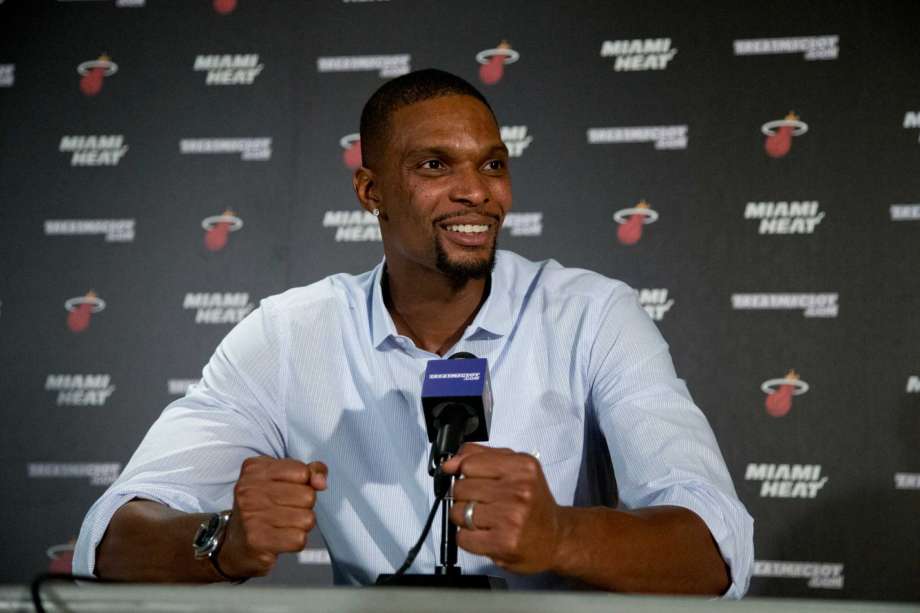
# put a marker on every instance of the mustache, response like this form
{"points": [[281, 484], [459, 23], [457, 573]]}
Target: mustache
{"points": [[449, 216]]}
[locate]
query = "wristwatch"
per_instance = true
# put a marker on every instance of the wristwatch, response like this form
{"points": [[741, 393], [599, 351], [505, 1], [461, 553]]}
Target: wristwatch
{"points": [[208, 540]]}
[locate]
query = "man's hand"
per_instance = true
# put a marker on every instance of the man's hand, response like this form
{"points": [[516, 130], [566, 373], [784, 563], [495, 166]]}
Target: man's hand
{"points": [[518, 523], [272, 513]]}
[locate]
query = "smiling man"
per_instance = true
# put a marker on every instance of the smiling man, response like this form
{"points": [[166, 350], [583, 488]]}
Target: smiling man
{"points": [[436, 174], [600, 471]]}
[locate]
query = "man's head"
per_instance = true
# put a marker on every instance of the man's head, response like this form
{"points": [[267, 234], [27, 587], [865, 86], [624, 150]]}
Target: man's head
{"points": [[402, 91], [436, 169]]}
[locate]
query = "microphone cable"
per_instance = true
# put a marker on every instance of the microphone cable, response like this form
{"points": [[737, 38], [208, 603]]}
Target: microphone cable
{"points": [[421, 540], [43, 578]]}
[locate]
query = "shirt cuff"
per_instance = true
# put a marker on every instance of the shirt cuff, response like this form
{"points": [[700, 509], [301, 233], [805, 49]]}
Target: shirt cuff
{"points": [[731, 526], [100, 514]]}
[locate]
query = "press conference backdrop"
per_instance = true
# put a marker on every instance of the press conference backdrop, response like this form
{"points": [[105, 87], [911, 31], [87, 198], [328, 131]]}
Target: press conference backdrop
{"points": [[751, 168]]}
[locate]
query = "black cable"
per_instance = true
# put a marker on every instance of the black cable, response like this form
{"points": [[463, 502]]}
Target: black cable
{"points": [[41, 579], [421, 540]]}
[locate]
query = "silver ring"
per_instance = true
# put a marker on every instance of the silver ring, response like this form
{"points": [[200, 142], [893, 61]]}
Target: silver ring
{"points": [[468, 515]]}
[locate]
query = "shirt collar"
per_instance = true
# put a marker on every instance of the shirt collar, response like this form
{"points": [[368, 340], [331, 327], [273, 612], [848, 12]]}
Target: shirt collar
{"points": [[495, 317]]}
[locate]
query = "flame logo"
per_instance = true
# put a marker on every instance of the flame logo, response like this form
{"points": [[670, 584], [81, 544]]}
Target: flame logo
{"points": [[217, 229], [631, 222], [779, 393], [61, 557], [80, 310], [493, 62], [351, 143], [779, 134], [93, 72], [224, 7]]}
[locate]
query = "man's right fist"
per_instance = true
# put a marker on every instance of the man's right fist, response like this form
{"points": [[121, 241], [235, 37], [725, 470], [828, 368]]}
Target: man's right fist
{"points": [[272, 513]]}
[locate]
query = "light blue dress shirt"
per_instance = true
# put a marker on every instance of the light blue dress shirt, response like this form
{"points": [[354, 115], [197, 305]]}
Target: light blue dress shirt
{"points": [[320, 373]]}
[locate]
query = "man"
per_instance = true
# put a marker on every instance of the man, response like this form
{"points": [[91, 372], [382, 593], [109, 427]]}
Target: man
{"points": [[309, 414]]}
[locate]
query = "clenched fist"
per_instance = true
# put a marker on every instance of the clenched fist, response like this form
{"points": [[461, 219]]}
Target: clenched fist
{"points": [[272, 513], [516, 519]]}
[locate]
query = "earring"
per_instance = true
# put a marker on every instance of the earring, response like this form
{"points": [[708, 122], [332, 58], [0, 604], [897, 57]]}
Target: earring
{"points": [[376, 212]]}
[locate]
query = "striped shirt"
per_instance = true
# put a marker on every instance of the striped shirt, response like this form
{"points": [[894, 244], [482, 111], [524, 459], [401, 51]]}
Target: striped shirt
{"points": [[581, 378]]}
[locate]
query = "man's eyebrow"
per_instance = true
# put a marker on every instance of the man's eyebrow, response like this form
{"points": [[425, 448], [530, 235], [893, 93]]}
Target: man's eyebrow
{"points": [[426, 151], [500, 148], [446, 152]]}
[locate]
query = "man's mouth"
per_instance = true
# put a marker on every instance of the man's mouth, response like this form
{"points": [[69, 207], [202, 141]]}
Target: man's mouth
{"points": [[467, 228], [470, 235]]}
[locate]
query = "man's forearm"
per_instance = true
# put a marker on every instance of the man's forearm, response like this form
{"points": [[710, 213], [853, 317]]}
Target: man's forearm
{"points": [[657, 549], [148, 541]]}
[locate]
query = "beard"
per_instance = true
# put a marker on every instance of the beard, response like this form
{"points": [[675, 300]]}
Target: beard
{"points": [[459, 272]]}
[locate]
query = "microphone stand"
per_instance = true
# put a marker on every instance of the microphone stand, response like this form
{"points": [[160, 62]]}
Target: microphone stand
{"points": [[447, 574], [448, 566]]}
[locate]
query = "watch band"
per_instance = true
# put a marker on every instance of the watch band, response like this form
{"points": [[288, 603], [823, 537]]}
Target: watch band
{"points": [[216, 552], [213, 534]]}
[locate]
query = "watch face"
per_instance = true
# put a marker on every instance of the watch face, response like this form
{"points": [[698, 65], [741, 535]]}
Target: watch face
{"points": [[206, 531]]}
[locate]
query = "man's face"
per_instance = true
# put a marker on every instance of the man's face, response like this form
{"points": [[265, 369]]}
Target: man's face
{"points": [[444, 186]]}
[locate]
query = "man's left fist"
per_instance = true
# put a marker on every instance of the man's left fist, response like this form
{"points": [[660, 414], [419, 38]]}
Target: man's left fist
{"points": [[517, 523]]}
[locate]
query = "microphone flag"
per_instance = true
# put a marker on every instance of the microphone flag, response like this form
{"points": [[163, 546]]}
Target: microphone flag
{"points": [[463, 382]]}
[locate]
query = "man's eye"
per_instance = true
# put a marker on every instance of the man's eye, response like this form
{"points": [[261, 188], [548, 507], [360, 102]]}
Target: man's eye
{"points": [[495, 165], [432, 165]]}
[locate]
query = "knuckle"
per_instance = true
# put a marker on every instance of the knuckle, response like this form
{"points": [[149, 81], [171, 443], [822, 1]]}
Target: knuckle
{"points": [[530, 465], [251, 464], [249, 518], [460, 487], [246, 497], [267, 562], [517, 518], [252, 540], [524, 494], [514, 542]]}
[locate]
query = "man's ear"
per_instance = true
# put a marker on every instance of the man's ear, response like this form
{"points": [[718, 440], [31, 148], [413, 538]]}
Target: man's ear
{"points": [[365, 184]]}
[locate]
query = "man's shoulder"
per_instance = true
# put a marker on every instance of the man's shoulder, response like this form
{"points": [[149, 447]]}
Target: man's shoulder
{"points": [[556, 281], [338, 292]]}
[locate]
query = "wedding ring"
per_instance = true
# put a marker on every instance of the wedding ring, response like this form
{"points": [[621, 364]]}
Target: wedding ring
{"points": [[468, 515]]}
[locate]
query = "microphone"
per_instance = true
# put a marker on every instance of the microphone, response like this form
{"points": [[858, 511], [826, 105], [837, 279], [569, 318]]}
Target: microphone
{"points": [[457, 400]]}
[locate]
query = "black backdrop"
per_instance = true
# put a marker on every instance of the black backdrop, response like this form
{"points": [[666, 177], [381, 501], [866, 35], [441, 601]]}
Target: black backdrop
{"points": [[128, 128]]}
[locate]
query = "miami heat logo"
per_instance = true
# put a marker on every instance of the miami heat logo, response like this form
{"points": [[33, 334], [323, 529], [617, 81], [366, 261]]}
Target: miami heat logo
{"points": [[351, 143], [217, 229], [779, 134], [224, 7], [493, 62], [61, 558], [780, 392], [94, 72], [81, 310], [632, 222]]}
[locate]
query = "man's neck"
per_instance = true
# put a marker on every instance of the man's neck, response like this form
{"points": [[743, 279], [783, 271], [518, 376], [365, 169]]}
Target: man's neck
{"points": [[430, 308]]}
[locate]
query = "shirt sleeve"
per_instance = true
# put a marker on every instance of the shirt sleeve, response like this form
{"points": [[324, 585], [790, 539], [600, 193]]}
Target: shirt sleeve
{"points": [[661, 445], [191, 456]]}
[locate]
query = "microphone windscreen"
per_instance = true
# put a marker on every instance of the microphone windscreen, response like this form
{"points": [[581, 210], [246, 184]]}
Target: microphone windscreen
{"points": [[463, 381]]}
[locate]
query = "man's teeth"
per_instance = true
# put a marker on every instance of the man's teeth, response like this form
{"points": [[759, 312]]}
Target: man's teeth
{"points": [[469, 228]]}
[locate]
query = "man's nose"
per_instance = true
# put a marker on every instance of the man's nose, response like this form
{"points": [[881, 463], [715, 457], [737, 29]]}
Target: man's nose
{"points": [[470, 187]]}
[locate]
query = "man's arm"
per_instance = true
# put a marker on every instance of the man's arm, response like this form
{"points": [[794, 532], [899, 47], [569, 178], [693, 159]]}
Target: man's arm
{"points": [[518, 524], [272, 514], [149, 541], [190, 459], [656, 549]]}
